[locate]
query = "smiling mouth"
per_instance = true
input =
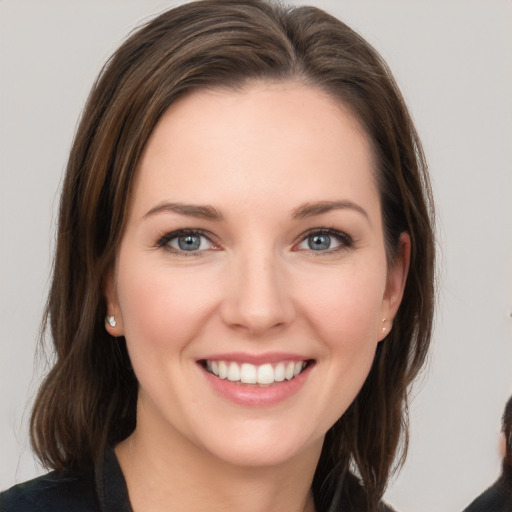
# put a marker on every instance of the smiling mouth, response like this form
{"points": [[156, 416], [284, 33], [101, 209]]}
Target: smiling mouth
{"points": [[259, 375]]}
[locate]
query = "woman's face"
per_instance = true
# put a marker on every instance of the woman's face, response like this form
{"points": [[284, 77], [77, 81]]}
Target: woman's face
{"points": [[251, 282]]}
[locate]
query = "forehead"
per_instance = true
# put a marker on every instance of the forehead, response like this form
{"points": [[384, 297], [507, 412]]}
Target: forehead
{"points": [[267, 138]]}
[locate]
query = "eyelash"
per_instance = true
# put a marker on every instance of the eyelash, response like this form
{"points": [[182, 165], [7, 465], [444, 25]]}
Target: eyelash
{"points": [[164, 241], [345, 241]]}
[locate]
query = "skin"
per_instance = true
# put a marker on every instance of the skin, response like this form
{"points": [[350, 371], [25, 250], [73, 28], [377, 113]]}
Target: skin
{"points": [[255, 287]]}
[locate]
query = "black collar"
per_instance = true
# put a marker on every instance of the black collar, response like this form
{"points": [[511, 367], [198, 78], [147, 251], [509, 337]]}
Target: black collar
{"points": [[111, 485]]}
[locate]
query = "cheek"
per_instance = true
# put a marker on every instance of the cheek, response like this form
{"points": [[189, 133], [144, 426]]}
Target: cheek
{"points": [[346, 307], [345, 316], [162, 307]]}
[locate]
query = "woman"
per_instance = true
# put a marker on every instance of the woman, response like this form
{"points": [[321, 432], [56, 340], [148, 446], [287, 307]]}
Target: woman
{"points": [[243, 283]]}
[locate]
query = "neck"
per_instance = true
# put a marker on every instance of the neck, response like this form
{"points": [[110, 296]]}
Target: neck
{"points": [[170, 473]]}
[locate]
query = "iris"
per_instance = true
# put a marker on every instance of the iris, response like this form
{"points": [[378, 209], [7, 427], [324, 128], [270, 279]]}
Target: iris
{"points": [[319, 242], [189, 242]]}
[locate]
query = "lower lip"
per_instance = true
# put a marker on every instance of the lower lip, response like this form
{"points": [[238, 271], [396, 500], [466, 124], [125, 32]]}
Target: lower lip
{"points": [[256, 396]]}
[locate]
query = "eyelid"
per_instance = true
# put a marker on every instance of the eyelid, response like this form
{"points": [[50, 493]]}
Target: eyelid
{"points": [[344, 239], [163, 241]]}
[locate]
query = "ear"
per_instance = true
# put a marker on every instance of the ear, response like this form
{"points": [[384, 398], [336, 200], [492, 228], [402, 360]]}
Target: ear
{"points": [[395, 285], [114, 328]]}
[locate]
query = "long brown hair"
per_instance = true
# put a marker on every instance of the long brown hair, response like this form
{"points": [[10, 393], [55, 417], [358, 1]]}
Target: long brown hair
{"points": [[88, 399]]}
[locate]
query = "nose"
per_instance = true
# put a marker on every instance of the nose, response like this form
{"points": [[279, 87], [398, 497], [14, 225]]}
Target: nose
{"points": [[257, 297]]}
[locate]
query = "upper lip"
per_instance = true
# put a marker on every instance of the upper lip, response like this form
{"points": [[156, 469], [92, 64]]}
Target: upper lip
{"points": [[256, 359]]}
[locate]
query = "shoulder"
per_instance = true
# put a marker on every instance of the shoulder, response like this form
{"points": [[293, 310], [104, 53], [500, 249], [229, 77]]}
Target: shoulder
{"points": [[497, 498], [53, 492]]}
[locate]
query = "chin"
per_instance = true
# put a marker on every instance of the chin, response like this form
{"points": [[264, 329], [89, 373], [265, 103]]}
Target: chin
{"points": [[261, 442], [266, 453]]}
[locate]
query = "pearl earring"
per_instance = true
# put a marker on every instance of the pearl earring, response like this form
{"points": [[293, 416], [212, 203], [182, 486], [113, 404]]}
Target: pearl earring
{"points": [[111, 320], [384, 327]]}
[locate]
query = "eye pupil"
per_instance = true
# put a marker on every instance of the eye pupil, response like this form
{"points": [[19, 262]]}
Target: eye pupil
{"points": [[189, 242], [319, 242]]}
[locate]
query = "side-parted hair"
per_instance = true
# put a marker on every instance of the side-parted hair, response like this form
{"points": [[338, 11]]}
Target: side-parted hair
{"points": [[88, 399]]}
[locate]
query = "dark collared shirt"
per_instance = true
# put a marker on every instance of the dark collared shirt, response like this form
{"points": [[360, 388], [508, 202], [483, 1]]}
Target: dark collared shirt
{"points": [[498, 498], [103, 490]]}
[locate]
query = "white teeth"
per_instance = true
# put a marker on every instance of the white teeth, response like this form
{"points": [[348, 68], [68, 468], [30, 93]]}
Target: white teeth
{"points": [[265, 374], [223, 370], [279, 372], [233, 372], [248, 373]]}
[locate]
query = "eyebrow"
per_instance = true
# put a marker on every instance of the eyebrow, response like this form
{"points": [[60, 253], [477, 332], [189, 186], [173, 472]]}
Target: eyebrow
{"points": [[320, 207], [190, 210], [209, 212]]}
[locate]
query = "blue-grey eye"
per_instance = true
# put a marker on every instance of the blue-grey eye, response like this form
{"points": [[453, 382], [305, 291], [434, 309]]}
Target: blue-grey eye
{"points": [[325, 240], [189, 242], [186, 241], [319, 242]]}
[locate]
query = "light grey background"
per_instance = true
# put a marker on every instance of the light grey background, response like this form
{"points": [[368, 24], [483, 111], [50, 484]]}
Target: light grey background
{"points": [[453, 61]]}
